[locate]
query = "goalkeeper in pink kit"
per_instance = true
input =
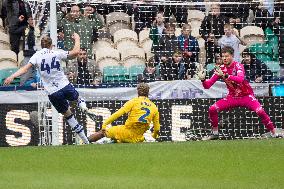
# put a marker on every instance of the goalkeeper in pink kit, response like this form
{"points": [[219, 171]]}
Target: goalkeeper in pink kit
{"points": [[240, 92]]}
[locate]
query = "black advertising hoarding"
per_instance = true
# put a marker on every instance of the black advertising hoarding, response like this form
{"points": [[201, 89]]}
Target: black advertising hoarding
{"points": [[180, 120]]}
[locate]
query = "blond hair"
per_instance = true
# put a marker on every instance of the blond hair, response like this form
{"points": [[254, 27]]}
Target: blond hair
{"points": [[46, 42], [143, 89]]}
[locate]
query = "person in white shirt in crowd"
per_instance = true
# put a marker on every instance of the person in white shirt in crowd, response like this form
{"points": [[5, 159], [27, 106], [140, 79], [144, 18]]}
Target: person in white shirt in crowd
{"points": [[231, 39]]}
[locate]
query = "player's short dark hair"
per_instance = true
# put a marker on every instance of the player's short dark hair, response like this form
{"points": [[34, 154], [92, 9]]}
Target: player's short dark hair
{"points": [[227, 49], [143, 89], [46, 42]]}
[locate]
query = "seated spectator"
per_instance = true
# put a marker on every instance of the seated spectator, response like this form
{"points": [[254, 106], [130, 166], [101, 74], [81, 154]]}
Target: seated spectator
{"points": [[157, 29], [84, 71], [218, 62], [167, 44], [33, 79], [150, 73], [188, 45], [175, 68], [256, 71], [232, 39]]}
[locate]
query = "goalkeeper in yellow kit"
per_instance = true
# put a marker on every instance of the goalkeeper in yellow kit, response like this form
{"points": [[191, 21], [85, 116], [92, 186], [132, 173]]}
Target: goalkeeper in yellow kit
{"points": [[141, 112]]}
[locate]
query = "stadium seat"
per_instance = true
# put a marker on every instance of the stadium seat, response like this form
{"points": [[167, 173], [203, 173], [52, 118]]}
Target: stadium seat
{"points": [[274, 67], [195, 15], [107, 57], [4, 41], [278, 90], [4, 73], [2, 30], [135, 70], [125, 38], [144, 41], [252, 34], [117, 20], [195, 18], [102, 43], [115, 74], [133, 56], [202, 52], [8, 59]]}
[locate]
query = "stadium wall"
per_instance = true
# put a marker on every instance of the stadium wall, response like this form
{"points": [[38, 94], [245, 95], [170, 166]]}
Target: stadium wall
{"points": [[181, 120]]}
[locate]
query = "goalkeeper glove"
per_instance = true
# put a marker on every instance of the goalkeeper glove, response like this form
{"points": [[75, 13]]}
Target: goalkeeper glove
{"points": [[201, 73]]}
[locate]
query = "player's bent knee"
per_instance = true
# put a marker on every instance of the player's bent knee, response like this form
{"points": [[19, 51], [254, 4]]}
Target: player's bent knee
{"points": [[213, 109]]}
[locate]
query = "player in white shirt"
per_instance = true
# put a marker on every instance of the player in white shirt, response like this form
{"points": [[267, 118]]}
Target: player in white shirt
{"points": [[59, 89]]}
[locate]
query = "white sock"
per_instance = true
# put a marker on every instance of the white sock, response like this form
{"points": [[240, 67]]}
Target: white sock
{"points": [[82, 104], [77, 128], [215, 132]]}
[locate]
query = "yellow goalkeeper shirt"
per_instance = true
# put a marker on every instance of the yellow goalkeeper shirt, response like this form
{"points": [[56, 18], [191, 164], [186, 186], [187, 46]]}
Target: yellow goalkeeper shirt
{"points": [[141, 112]]}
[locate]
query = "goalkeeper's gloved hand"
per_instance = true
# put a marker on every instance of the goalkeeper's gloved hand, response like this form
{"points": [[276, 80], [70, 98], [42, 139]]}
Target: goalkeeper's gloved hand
{"points": [[201, 73], [219, 72]]}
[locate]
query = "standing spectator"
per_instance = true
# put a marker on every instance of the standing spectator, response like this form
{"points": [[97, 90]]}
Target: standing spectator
{"points": [[188, 45], [18, 13], [278, 26], [236, 13], [91, 15], [75, 22], [211, 29], [178, 11], [256, 71], [232, 39], [84, 71], [144, 15], [157, 29], [167, 44], [30, 78]]}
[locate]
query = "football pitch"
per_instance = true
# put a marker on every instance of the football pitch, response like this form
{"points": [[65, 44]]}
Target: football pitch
{"points": [[167, 165]]}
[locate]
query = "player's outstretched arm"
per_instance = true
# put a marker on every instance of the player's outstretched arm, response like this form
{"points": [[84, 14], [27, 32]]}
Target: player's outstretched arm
{"points": [[156, 123], [18, 73], [76, 49], [113, 117]]}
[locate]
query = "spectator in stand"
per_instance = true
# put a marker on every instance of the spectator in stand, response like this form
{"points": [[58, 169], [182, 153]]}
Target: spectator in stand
{"points": [[178, 11], [278, 26], [150, 73], [75, 22], [30, 78], [232, 39], [263, 17], [188, 45], [175, 68], [144, 15], [211, 29], [167, 44], [84, 71], [256, 70], [157, 29], [236, 12], [18, 13], [218, 62], [91, 15]]}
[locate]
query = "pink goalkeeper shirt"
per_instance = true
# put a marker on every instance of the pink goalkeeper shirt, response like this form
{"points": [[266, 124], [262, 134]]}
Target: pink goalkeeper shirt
{"points": [[236, 83]]}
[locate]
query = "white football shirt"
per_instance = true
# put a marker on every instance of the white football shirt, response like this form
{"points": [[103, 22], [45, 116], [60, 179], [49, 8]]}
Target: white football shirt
{"points": [[51, 73]]}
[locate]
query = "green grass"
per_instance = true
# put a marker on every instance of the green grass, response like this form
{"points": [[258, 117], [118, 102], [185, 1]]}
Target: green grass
{"points": [[212, 164]]}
